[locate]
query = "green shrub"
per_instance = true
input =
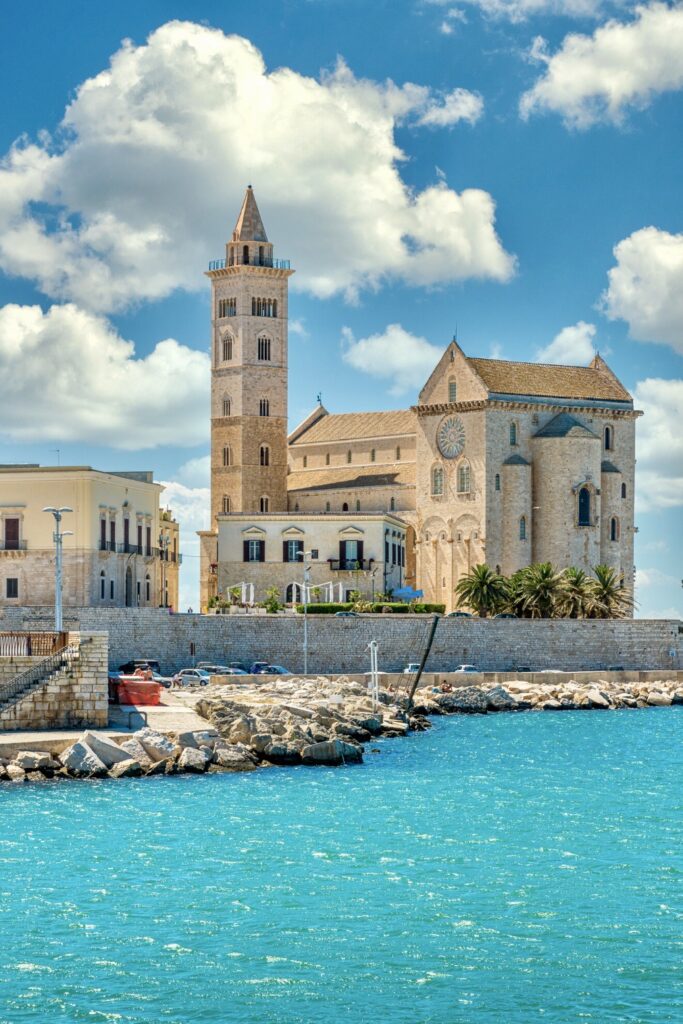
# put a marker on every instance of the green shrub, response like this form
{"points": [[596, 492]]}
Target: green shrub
{"points": [[395, 607]]}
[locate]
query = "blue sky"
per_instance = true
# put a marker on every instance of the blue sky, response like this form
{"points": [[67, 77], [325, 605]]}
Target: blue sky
{"points": [[490, 166]]}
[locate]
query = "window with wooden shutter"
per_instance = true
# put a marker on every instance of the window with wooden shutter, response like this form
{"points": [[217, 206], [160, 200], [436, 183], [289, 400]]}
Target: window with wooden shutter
{"points": [[11, 534]]}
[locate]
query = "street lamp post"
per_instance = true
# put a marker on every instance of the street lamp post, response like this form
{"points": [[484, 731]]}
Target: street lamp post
{"points": [[164, 542], [305, 556], [58, 536]]}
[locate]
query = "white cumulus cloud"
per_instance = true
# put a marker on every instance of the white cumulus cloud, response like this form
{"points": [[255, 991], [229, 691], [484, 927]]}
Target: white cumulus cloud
{"points": [[521, 10], [621, 65], [659, 444], [67, 375], [142, 182], [396, 355], [646, 286], [572, 346], [191, 507]]}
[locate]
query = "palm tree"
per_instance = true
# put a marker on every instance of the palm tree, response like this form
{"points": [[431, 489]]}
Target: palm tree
{"points": [[540, 589], [482, 589], [515, 598], [612, 599], [576, 597]]}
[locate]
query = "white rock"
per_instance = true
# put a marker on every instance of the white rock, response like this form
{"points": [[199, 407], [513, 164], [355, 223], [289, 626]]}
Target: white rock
{"points": [[135, 750], [79, 759], [126, 769], [33, 760], [193, 760], [109, 753], [658, 700], [156, 745], [235, 757], [15, 773], [198, 738]]}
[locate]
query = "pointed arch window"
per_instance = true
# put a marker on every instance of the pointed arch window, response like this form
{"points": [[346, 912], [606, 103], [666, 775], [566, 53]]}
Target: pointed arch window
{"points": [[452, 390], [614, 529], [497, 483], [327, 458], [392, 505], [264, 407], [513, 434], [227, 455], [148, 588], [227, 348], [227, 406], [245, 254], [623, 490], [584, 507], [398, 453], [103, 584], [226, 504], [264, 455], [264, 503], [609, 439], [437, 481], [349, 456], [264, 348], [345, 507], [464, 481], [305, 461], [522, 528], [357, 505], [327, 506], [372, 455]]}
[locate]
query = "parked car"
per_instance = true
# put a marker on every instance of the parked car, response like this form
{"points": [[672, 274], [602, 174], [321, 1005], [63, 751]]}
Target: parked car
{"points": [[238, 668], [505, 615], [258, 668], [466, 668], [459, 615], [346, 615], [522, 668], [191, 677], [278, 670], [412, 668], [130, 666], [215, 670]]}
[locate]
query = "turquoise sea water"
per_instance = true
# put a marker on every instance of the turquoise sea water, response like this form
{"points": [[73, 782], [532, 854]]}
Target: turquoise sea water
{"points": [[503, 869]]}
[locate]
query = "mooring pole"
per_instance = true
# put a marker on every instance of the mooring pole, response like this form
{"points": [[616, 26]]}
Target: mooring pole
{"points": [[425, 655]]}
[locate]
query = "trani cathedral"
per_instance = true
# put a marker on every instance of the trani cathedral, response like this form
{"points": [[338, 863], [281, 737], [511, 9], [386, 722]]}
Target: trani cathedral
{"points": [[499, 462]]}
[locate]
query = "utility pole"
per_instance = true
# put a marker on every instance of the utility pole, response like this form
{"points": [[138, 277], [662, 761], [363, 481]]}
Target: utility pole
{"points": [[58, 536], [305, 557]]}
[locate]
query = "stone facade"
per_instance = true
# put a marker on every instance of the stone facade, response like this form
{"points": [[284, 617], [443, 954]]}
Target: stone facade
{"points": [[499, 462], [76, 696], [112, 553], [340, 645]]}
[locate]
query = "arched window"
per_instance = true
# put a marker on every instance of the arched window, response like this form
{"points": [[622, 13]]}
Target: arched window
{"points": [[357, 505], [464, 478], [513, 433], [226, 504], [264, 455], [345, 507], [264, 348], [327, 458], [372, 455], [623, 490], [305, 461], [296, 506], [245, 254], [348, 455], [227, 455], [398, 453], [497, 481], [392, 505], [111, 590], [609, 439], [584, 507], [614, 528], [227, 348], [327, 506], [452, 390], [274, 313], [102, 586], [227, 406], [148, 588], [264, 407], [264, 503], [437, 480], [522, 528], [253, 307]]}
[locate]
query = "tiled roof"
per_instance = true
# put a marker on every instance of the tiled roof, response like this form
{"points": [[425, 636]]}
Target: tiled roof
{"points": [[564, 425], [548, 380], [348, 478], [352, 426], [249, 226]]}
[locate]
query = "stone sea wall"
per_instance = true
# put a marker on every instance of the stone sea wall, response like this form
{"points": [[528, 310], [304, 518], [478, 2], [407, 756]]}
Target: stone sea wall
{"points": [[339, 645]]}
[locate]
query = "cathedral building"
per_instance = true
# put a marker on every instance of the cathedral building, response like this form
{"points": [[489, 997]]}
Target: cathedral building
{"points": [[502, 462]]}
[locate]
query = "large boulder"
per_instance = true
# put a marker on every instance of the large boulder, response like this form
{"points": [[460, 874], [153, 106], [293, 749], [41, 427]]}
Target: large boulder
{"points": [[15, 773], [109, 753], [597, 699], [126, 769], [156, 745], [80, 760], [498, 699], [279, 752], [193, 760], [137, 752], [233, 757], [658, 700], [242, 729], [198, 738], [35, 760], [467, 701], [333, 752]]}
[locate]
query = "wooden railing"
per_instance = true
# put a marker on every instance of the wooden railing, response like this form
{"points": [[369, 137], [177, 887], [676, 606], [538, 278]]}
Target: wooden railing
{"points": [[27, 645]]}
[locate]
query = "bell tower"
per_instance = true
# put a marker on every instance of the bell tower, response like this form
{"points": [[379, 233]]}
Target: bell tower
{"points": [[248, 371]]}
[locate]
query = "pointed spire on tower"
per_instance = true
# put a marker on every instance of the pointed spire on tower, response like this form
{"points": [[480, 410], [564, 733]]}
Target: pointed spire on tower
{"points": [[249, 226]]}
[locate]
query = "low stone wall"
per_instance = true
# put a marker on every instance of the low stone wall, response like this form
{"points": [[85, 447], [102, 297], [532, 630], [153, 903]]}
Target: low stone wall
{"points": [[76, 696], [339, 645]]}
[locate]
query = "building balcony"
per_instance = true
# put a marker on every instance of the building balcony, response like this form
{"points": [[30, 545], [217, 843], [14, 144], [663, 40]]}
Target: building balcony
{"points": [[265, 261], [350, 564], [13, 545]]}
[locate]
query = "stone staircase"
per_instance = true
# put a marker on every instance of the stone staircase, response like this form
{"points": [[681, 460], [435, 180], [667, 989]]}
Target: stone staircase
{"points": [[37, 677]]}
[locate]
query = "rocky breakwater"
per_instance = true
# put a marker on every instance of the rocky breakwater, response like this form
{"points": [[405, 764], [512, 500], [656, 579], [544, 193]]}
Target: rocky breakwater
{"points": [[305, 721], [569, 695]]}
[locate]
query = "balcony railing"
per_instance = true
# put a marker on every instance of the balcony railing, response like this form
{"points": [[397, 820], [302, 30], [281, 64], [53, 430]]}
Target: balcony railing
{"points": [[12, 545], [350, 564], [265, 261]]}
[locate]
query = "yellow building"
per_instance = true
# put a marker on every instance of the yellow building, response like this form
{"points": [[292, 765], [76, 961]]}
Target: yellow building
{"points": [[120, 549]]}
